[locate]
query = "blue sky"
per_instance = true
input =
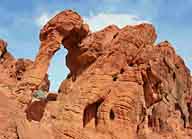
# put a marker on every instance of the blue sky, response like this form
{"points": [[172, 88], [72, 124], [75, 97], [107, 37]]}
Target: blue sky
{"points": [[21, 21]]}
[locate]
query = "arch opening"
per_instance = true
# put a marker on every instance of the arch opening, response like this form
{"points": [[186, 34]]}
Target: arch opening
{"points": [[112, 115], [90, 114], [58, 69], [65, 28]]}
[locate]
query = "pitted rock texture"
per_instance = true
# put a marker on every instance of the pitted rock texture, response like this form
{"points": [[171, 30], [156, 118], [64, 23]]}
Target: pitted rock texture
{"points": [[12, 70], [12, 103], [133, 87], [121, 85]]}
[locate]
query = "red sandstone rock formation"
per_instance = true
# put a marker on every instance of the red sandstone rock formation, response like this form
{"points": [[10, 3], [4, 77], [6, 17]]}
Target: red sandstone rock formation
{"points": [[12, 71], [121, 85]]}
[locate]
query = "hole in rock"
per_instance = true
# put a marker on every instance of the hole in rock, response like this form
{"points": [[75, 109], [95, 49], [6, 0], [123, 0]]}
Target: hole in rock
{"points": [[58, 70], [90, 114], [114, 77], [59, 91], [112, 115], [131, 64], [18, 78], [115, 35], [174, 75], [122, 71]]}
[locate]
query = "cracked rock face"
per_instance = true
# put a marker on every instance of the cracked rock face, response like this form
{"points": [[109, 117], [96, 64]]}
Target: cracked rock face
{"points": [[11, 73], [132, 86], [121, 85], [12, 70]]}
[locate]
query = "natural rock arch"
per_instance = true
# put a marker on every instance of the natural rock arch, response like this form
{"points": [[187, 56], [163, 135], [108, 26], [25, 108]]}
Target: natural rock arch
{"points": [[66, 28]]}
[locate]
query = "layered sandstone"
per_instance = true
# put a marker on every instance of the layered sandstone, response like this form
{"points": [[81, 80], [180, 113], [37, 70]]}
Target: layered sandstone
{"points": [[121, 85]]}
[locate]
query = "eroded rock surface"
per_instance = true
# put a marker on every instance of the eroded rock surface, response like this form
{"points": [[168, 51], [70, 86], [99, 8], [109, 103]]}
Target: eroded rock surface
{"points": [[12, 101], [133, 87], [121, 85]]}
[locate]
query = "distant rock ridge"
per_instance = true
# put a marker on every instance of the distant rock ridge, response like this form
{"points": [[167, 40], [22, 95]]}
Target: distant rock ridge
{"points": [[121, 85]]}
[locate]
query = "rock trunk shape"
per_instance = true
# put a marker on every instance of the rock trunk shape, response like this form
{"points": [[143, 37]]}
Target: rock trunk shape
{"points": [[121, 85], [67, 27]]}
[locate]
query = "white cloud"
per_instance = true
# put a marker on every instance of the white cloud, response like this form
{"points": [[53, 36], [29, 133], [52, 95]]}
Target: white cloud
{"points": [[99, 21], [102, 20], [189, 58], [44, 18]]}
